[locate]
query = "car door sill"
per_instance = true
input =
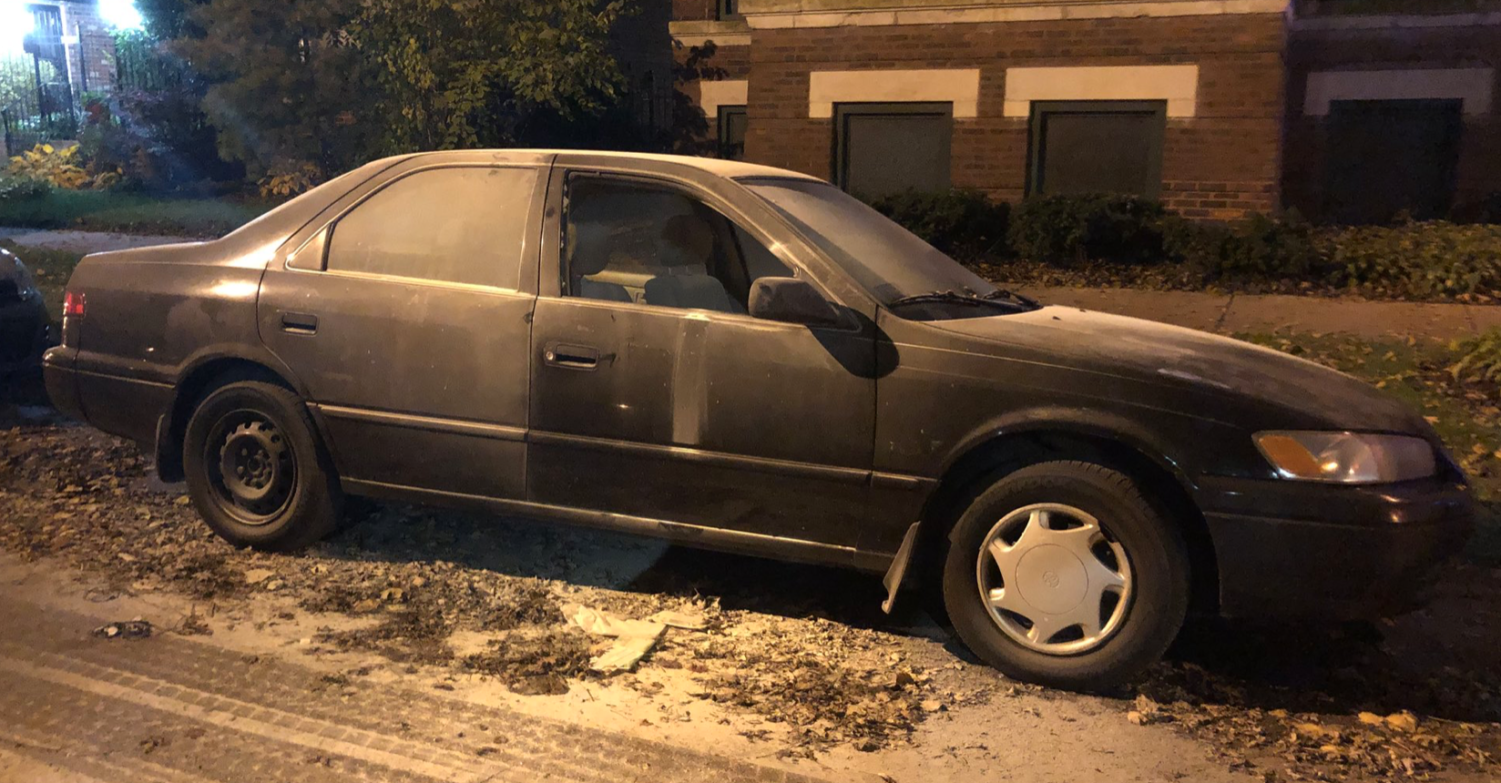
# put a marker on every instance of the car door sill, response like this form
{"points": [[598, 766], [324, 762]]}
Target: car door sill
{"points": [[735, 541]]}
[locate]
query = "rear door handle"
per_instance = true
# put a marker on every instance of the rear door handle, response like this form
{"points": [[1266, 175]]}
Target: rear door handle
{"points": [[573, 357], [299, 323]]}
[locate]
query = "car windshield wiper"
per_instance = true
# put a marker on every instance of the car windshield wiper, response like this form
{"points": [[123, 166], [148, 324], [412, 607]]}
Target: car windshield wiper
{"points": [[993, 299], [1002, 293]]}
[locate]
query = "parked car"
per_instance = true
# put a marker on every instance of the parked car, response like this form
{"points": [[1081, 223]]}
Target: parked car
{"points": [[24, 324], [743, 358]]}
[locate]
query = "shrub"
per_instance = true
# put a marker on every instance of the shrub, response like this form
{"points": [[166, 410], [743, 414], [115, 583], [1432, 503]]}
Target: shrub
{"points": [[1063, 229], [57, 166], [18, 189], [963, 223], [1432, 259], [1259, 246], [1480, 358]]}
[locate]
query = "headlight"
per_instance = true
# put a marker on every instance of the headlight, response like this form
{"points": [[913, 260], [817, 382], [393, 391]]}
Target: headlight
{"points": [[1347, 457]]}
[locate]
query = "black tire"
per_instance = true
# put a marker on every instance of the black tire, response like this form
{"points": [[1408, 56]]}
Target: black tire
{"points": [[1155, 551], [301, 501]]}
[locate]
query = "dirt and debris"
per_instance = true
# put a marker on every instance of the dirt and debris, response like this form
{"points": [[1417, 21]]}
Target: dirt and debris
{"points": [[411, 578], [129, 629], [634, 639], [536, 661], [803, 651]]}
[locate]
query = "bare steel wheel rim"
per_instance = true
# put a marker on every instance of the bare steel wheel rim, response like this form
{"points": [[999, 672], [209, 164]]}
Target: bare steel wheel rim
{"points": [[251, 467], [1053, 579]]}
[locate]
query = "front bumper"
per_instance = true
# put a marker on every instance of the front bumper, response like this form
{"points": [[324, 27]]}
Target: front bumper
{"points": [[1298, 550]]}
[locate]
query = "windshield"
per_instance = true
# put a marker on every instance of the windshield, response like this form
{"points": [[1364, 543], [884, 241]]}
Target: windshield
{"points": [[882, 256]]}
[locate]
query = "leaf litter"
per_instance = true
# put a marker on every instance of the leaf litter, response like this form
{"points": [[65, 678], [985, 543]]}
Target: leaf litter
{"points": [[71, 493]]}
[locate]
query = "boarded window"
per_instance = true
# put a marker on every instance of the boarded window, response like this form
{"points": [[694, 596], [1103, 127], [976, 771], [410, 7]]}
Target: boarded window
{"points": [[1097, 147], [892, 147], [1388, 157], [732, 126], [454, 225]]}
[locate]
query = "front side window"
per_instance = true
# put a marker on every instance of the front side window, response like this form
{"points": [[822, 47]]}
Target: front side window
{"points": [[634, 242], [1098, 147], [450, 225]]}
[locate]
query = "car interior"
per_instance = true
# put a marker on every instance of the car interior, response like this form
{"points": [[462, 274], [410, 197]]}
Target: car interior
{"points": [[632, 242]]}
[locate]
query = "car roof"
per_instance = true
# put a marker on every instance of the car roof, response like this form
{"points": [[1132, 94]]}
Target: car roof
{"points": [[732, 169]]}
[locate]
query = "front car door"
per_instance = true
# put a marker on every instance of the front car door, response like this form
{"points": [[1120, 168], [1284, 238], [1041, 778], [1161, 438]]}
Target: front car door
{"points": [[656, 396], [405, 313]]}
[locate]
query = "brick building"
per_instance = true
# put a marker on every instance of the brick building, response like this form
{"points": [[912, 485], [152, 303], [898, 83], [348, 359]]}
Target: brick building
{"points": [[1204, 104], [1391, 112], [71, 35]]}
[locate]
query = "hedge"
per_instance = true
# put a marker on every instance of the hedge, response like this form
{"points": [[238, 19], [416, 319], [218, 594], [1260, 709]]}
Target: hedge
{"points": [[1435, 259]]}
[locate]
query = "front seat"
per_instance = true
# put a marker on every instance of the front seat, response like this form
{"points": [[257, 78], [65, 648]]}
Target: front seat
{"points": [[589, 254], [687, 284]]}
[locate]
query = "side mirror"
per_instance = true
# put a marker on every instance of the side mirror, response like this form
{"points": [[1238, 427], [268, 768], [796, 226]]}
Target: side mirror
{"points": [[793, 301]]}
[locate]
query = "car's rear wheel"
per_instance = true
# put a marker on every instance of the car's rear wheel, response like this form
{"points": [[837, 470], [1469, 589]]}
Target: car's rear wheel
{"points": [[256, 471], [1064, 574]]}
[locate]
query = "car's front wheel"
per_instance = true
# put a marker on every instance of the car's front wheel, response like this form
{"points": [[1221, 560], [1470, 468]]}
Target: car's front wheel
{"points": [[1063, 574], [255, 469]]}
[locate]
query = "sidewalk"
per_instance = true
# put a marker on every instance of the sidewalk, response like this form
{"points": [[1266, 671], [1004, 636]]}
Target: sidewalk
{"points": [[1225, 313], [84, 241], [1239, 313]]}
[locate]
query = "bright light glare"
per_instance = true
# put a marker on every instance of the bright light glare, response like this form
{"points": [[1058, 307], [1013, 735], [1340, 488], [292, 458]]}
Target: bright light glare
{"points": [[15, 23], [120, 14]]}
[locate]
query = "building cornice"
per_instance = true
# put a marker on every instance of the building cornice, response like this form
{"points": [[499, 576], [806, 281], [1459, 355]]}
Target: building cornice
{"points": [[774, 14], [697, 32], [1395, 22]]}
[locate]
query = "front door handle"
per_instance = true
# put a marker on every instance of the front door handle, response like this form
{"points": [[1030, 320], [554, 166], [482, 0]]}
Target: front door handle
{"points": [[573, 357], [299, 323]]}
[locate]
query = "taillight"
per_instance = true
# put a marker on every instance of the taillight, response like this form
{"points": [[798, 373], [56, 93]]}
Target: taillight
{"points": [[73, 305]]}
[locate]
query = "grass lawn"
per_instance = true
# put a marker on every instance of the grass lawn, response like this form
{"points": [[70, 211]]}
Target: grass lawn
{"points": [[131, 213], [1467, 416]]}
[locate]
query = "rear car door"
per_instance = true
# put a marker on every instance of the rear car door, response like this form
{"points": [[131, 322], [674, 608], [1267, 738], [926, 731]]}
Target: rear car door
{"points": [[655, 395], [406, 316]]}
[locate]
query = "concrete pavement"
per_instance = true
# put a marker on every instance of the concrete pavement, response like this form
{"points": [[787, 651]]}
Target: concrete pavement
{"points": [[78, 708]]}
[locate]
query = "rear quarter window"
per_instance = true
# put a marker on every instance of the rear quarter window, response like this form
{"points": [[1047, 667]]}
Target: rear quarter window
{"points": [[451, 225]]}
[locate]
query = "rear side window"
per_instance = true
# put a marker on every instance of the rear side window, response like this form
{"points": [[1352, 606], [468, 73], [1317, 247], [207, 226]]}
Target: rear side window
{"points": [[452, 225]]}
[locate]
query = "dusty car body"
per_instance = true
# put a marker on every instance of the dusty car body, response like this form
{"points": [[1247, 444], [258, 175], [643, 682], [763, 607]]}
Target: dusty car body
{"points": [[24, 323], [836, 393]]}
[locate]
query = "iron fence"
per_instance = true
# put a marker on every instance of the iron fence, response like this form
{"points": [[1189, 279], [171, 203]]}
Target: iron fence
{"points": [[36, 97]]}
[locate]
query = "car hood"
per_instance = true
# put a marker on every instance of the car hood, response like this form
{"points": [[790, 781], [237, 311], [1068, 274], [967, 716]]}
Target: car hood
{"points": [[1206, 364]]}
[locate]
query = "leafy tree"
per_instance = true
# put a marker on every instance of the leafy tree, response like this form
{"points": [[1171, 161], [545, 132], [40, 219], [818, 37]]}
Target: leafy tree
{"points": [[332, 83], [689, 123], [288, 84], [461, 73]]}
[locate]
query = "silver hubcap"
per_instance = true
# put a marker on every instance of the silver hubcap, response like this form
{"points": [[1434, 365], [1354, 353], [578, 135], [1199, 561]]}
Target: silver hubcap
{"points": [[1054, 581]]}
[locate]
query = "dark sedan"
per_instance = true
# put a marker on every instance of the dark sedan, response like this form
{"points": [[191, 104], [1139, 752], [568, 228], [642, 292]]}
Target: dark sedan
{"points": [[745, 358], [24, 324]]}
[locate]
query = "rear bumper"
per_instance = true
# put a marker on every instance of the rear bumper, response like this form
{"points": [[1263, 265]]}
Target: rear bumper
{"points": [[62, 381], [128, 407], [1288, 550]]}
